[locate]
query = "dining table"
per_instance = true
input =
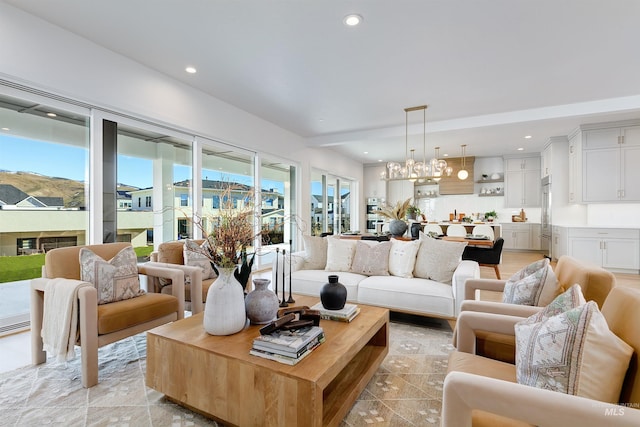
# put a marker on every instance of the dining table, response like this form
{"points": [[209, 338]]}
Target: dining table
{"points": [[472, 241]]}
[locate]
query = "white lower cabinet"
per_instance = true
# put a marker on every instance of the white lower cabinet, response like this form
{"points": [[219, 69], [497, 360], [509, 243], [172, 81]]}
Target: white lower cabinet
{"points": [[614, 249], [558, 242], [522, 236]]}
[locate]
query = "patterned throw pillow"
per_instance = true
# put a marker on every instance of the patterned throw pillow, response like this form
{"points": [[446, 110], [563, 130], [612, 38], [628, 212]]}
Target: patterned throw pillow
{"points": [[193, 255], [528, 270], [371, 259], [527, 290], [339, 253], [402, 257], [569, 299], [116, 279], [315, 248], [574, 353], [438, 259]]}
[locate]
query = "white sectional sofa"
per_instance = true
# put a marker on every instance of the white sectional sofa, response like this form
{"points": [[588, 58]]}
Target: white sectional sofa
{"points": [[408, 285]]}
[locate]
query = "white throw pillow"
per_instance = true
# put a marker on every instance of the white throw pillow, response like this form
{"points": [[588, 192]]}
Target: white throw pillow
{"points": [[340, 254], [402, 257], [315, 256], [194, 256], [371, 258], [574, 353], [438, 259], [116, 279], [527, 291]]}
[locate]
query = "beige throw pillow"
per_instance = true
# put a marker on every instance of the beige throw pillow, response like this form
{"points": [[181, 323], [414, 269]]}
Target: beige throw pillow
{"points": [[438, 259], [339, 254], [194, 256], [116, 279], [315, 256], [371, 258], [573, 352], [402, 257]]}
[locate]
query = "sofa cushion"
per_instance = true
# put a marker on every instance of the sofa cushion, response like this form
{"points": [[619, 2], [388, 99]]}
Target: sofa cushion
{"points": [[315, 252], [528, 290], [402, 257], [438, 259], [412, 295], [340, 254], [371, 258], [194, 256], [574, 353], [116, 279]]}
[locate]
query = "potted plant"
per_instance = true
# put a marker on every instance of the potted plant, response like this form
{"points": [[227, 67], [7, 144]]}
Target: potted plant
{"points": [[396, 214], [413, 212], [491, 215]]}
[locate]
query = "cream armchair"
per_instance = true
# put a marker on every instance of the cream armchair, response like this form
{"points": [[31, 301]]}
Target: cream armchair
{"points": [[102, 324], [595, 283], [479, 391]]}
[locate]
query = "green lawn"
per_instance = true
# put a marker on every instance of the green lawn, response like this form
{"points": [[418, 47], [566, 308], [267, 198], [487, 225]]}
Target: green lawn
{"points": [[25, 267]]}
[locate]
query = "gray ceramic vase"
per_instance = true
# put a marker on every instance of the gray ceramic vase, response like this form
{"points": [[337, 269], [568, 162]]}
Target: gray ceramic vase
{"points": [[397, 227], [261, 304]]}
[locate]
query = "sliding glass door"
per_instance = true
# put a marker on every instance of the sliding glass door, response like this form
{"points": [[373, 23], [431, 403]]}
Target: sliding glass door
{"points": [[44, 192]]}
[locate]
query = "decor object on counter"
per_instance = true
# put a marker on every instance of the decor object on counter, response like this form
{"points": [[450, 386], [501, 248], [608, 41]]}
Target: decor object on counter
{"points": [[333, 294], [491, 215], [413, 212], [261, 304], [420, 171], [416, 227], [224, 310]]}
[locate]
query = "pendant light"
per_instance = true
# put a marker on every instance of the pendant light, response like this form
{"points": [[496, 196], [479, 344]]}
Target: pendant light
{"points": [[412, 170], [463, 173]]}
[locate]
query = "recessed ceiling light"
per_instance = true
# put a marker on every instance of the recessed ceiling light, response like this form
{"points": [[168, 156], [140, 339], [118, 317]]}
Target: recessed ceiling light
{"points": [[520, 149], [191, 70], [52, 115], [352, 20], [445, 155], [6, 129], [527, 137], [366, 152], [379, 160]]}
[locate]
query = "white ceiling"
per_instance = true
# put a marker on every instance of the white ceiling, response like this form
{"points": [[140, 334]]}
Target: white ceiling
{"points": [[491, 71]]}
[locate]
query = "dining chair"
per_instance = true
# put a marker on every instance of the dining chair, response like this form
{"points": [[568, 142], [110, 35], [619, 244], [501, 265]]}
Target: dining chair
{"points": [[456, 230], [484, 230]]}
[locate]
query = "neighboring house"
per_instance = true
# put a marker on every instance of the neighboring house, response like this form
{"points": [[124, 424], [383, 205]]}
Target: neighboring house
{"points": [[12, 198]]}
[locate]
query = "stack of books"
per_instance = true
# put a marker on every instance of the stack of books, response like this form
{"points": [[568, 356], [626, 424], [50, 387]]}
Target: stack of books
{"points": [[290, 346], [345, 314]]}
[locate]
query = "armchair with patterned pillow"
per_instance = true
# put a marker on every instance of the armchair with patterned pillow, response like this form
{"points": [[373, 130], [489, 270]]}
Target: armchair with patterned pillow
{"points": [[575, 365], [90, 296], [526, 293]]}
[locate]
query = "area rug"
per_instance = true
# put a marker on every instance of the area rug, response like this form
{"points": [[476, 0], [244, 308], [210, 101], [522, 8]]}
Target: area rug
{"points": [[405, 391]]}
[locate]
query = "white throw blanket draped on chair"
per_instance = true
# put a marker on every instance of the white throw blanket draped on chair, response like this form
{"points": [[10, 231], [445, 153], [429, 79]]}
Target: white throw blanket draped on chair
{"points": [[60, 317]]}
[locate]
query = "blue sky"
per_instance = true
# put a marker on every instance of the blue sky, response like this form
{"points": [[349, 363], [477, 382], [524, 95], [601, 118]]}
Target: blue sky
{"points": [[20, 154]]}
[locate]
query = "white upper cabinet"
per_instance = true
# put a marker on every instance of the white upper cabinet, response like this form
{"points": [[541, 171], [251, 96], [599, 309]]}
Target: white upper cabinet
{"points": [[522, 182], [610, 159]]}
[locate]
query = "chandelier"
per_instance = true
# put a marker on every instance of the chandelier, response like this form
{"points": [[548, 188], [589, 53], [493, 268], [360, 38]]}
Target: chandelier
{"points": [[412, 170]]}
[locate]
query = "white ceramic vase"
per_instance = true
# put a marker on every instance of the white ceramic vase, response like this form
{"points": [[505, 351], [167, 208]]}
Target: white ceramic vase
{"points": [[224, 311]]}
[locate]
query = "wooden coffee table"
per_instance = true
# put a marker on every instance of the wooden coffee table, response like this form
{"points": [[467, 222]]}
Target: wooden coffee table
{"points": [[217, 377]]}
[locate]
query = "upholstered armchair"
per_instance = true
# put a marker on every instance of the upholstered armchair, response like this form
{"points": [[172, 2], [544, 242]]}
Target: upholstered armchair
{"points": [[595, 282], [171, 254], [480, 391], [99, 324]]}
